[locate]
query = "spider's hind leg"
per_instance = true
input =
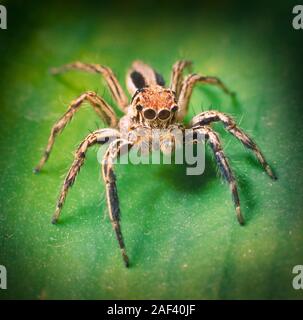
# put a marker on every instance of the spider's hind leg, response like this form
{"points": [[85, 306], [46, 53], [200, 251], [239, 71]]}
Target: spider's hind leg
{"points": [[224, 166]]}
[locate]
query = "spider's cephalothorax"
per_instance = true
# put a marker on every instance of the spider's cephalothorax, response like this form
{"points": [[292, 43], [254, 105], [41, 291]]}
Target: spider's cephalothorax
{"points": [[152, 106]]}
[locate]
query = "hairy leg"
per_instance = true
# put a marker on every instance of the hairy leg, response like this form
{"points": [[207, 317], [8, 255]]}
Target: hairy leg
{"points": [[223, 165], [112, 82], [99, 105], [208, 117], [113, 152], [177, 75], [98, 137], [187, 88]]}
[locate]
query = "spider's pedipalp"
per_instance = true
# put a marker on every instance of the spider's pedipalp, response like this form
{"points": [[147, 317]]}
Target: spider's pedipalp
{"points": [[223, 165], [208, 117]]}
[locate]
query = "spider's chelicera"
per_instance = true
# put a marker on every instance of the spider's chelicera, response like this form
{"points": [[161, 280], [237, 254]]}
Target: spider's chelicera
{"points": [[152, 107]]}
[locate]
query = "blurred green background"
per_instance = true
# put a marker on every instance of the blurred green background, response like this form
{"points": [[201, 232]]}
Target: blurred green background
{"points": [[180, 231]]}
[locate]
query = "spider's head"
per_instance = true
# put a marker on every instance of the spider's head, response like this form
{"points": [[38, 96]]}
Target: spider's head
{"points": [[155, 106]]}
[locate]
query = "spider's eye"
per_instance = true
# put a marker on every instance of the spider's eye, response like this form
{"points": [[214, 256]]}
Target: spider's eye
{"points": [[149, 114], [139, 107], [174, 108], [163, 114]]}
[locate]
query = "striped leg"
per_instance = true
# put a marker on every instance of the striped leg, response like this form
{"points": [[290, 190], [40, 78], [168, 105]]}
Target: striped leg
{"points": [[187, 88], [223, 165], [100, 136], [114, 150], [99, 105], [112, 82], [177, 75], [207, 117]]}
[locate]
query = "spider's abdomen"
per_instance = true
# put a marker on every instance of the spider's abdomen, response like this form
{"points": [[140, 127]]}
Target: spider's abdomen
{"points": [[141, 75]]}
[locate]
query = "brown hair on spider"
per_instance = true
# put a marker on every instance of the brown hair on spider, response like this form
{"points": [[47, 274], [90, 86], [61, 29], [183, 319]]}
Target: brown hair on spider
{"points": [[155, 104]]}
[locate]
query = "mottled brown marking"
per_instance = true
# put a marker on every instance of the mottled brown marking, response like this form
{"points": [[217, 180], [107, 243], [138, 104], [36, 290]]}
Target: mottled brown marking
{"points": [[152, 100], [156, 97]]}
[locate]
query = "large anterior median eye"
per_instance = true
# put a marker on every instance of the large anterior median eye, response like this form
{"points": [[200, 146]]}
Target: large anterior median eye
{"points": [[164, 114], [149, 114]]}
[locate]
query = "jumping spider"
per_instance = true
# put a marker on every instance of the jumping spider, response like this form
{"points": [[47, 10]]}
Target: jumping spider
{"points": [[152, 106]]}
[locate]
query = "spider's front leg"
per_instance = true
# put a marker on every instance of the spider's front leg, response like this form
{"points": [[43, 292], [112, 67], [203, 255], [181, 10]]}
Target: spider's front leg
{"points": [[223, 165], [187, 88], [100, 136], [112, 82], [115, 149], [100, 106]]}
